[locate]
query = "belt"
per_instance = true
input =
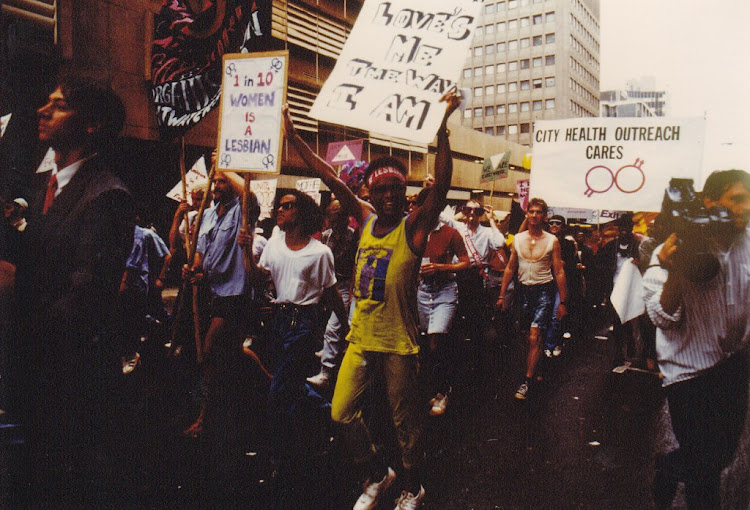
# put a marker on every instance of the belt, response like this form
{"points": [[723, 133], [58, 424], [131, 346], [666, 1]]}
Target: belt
{"points": [[292, 306]]}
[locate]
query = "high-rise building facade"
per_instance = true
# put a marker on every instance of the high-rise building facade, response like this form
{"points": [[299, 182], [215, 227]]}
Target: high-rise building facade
{"points": [[532, 60], [638, 99]]}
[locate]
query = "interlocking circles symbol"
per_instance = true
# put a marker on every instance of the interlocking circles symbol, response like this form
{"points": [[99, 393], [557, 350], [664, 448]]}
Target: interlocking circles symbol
{"points": [[231, 69], [628, 178], [225, 160], [268, 161]]}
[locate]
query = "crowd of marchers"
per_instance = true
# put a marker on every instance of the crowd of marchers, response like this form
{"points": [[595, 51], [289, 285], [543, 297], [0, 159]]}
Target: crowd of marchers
{"points": [[376, 296]]}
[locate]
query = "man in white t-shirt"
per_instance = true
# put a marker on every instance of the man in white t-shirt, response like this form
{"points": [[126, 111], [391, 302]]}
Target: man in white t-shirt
{"points": [[302, 271]]}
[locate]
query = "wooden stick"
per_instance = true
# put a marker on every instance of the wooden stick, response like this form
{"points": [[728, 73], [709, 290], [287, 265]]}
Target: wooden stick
{"points": [[183, 176]]}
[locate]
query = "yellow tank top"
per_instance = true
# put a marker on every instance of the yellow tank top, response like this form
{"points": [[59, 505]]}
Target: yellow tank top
{"points": [[385, 287]]}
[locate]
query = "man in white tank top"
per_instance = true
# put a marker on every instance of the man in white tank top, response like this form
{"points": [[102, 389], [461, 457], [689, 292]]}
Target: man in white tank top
{"points": [[536, 258]]}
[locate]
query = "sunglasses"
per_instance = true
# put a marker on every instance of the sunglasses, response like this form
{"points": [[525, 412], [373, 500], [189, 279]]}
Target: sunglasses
{"points": [[478, 211], [555, 223], [287, 205]]}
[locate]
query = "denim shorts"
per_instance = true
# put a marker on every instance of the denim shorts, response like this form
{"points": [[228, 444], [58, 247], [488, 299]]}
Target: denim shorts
{"points": [[437, 306], [537, 302]]}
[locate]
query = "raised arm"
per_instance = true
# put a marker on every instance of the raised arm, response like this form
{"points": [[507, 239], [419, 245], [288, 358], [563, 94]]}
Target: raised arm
{"points": [[350, 204], [424, 218]]}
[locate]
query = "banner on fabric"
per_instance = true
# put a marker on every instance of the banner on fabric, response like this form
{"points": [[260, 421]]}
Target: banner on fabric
{"points": [[187, 51], [522, 188], [496, 167], [265, 192], [614, 163], [400, 58], [253, 92], [196, 175]]}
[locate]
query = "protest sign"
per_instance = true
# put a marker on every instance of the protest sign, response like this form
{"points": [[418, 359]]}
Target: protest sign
{"points": [[339, 153], [48, 162], [4, 120], [265, 192], [614, 163], [627, 294], [591, 216], [400, 58], [253, 92], [311, 187], [196, 175], [496, 167], [522, 187]]}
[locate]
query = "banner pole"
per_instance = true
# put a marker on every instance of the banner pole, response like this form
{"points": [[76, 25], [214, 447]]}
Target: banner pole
{"points": [[183, 176]]}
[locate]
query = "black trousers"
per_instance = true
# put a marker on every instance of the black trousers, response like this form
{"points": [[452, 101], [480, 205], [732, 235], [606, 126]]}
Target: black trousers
{"points": [[708, 416]]}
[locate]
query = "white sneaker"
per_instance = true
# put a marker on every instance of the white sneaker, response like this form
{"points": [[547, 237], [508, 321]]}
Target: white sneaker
{"points": [[322, 380], [128, 365], [557, 351], [409, 501], [369, 498], [548, 353]]}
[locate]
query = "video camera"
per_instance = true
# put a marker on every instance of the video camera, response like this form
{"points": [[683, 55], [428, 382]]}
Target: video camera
{"points": [[694, 224]]}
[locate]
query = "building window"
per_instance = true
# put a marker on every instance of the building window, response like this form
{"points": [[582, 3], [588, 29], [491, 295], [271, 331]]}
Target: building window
{"points": [[500, 47], [524, 84], [489, 90], [537, 105], [525, 42], [537, 19], [549, 104], [501, 109], [537, 83], [524, 128], [489, 111], [489, 131], [524, 63], [537, 40], [489, 29], [478, 91], [550, 17], [500, 26], [513, 108], [512, 45], [500, 130], [512, 86], [549, 38], [467, 113], [489, 49], [477, 112], [467, 73], [501, 88], [513, 130], [488, 70], [513, 24], [501, 68], [525, 106], [512, 66], [478, 51], [549, 60], [501, 6], [477, 71], [512, 4], [489, 8], [525, 22], [537, 62], [549, 81]]}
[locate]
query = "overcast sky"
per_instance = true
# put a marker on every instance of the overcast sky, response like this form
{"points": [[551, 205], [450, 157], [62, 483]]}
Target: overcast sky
{"points": [[698, 52]]}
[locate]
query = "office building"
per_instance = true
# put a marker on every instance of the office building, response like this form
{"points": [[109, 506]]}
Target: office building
{"points": [[638, 99]]}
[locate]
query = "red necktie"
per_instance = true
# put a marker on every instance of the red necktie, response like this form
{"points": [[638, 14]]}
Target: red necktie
{"points": [[50, 196]]}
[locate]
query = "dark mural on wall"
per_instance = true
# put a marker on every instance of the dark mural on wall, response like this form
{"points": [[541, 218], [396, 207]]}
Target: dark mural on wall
{"points": [[190, 38]]}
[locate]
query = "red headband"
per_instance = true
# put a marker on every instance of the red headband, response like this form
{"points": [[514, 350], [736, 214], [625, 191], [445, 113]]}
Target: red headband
{"points": [[384, 172]]}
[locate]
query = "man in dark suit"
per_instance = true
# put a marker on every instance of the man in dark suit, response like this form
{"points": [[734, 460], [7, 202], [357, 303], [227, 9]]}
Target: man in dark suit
{"points": [[73, 257]]}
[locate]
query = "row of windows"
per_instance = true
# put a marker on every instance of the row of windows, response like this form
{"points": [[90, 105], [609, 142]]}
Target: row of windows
{"points": [[502, 88], [580, 48], [583, 92], [580, 111], [502, 109], [585, 13], [580, 69], [515, 24], [492, 8], [513, 129], [584, 32], [502, 47], [515, 65]]}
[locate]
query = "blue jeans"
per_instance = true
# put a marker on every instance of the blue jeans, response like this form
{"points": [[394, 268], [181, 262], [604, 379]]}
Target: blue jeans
{"points": [[333, 341]]}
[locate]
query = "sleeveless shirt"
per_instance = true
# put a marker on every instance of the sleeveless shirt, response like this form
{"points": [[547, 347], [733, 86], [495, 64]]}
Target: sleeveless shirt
{"points": [[537, 271], [385, 282]]}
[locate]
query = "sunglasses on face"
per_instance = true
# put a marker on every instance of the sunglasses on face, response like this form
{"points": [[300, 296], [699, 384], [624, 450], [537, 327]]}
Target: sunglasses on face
{"points": [[287, 205], [478, 211], [555, 223]]}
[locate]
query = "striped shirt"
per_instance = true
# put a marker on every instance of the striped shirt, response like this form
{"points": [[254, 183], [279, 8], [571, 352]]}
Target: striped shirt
{"points": [[711, 324]]}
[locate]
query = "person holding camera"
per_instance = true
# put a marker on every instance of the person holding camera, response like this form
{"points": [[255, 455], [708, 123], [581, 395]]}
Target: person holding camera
{"points": [[703, 332]]}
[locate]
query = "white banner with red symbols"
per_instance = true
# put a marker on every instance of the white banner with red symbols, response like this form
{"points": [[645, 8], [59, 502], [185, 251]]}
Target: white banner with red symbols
{"points": [[614, 163]]}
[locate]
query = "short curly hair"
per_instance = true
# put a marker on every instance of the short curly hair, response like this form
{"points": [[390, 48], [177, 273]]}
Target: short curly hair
{"points": [[309, 214]]}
